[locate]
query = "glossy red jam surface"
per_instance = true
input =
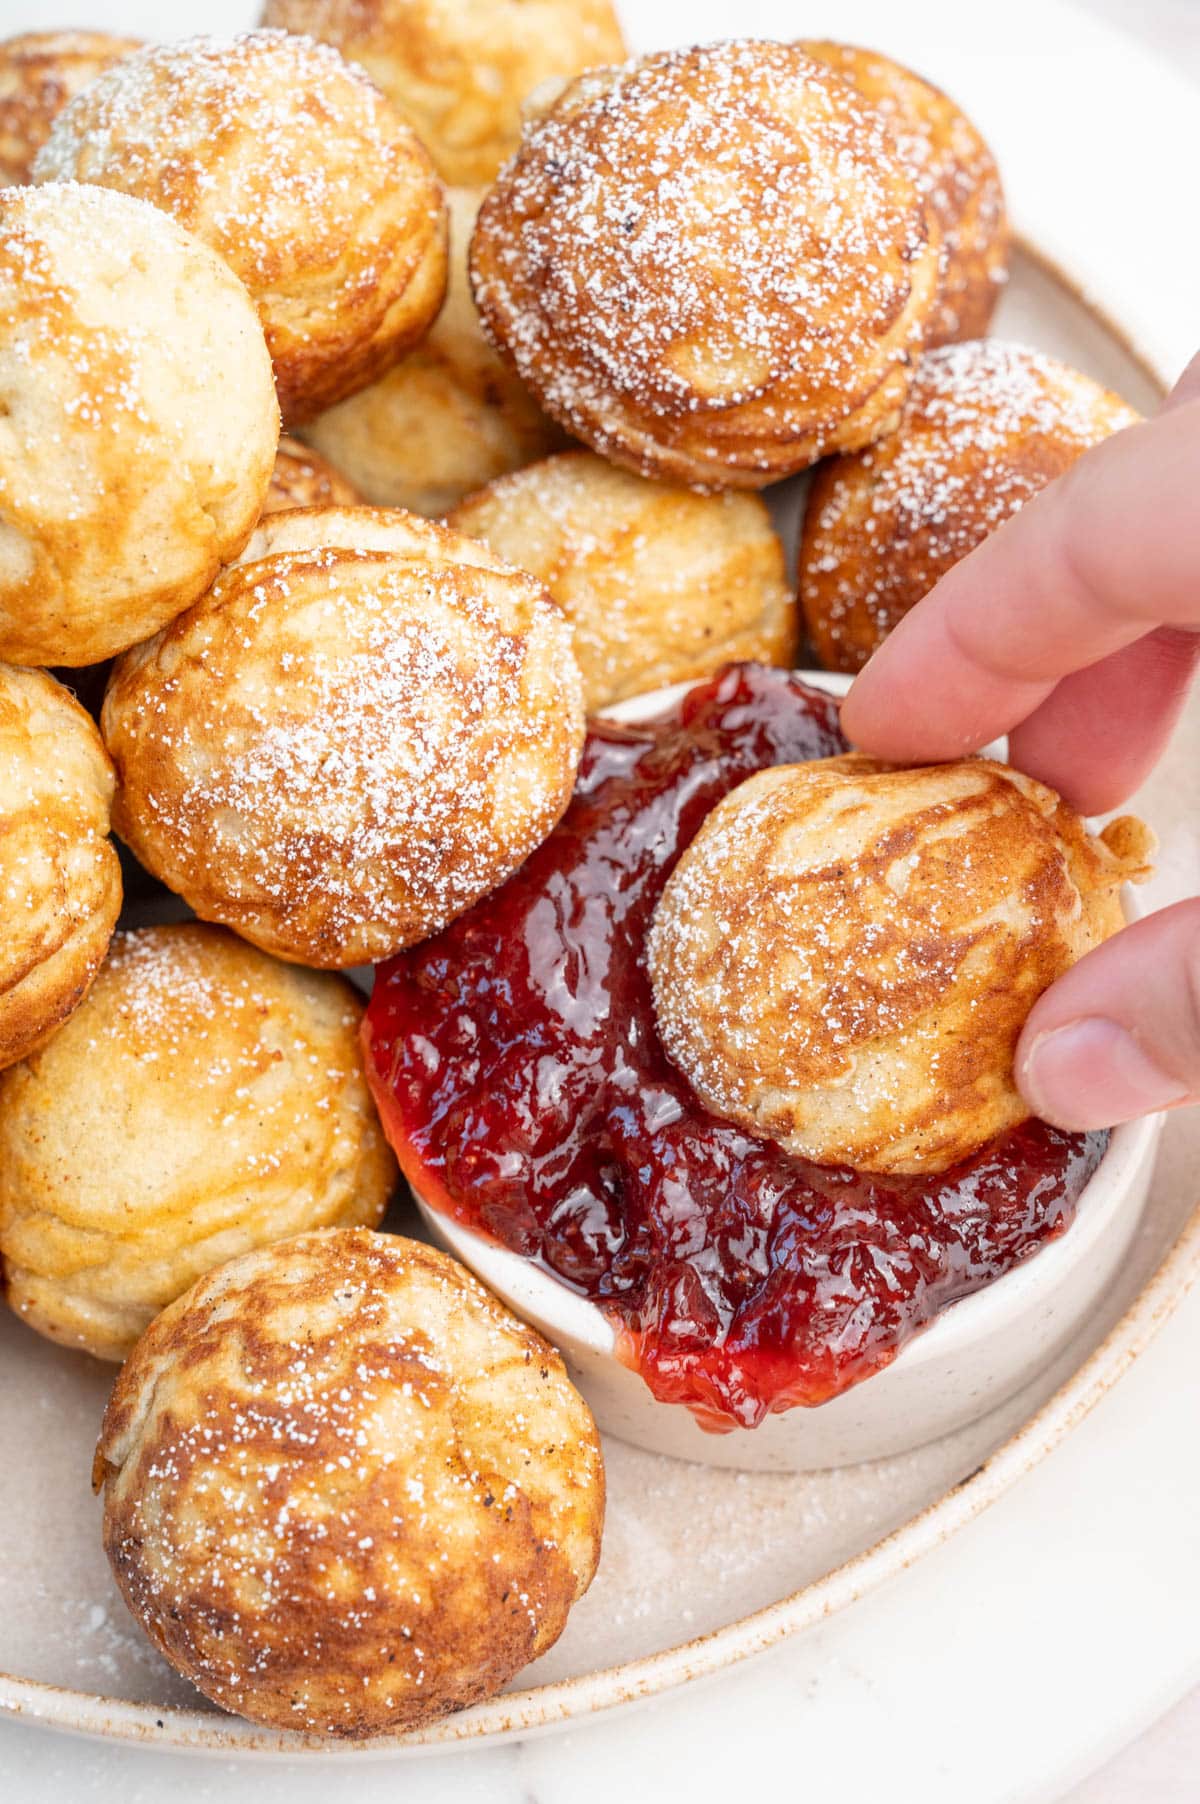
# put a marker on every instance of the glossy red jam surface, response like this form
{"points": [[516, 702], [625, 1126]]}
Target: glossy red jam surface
{"points": [[521, 1080]]}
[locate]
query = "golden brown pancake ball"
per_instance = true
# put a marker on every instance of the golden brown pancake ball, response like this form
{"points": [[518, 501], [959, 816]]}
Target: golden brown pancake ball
{"points": [[845, 955], [459, 70], [986, 425], [137, 421], [303, 478], [205, 1100], [954, 170], [660, 584], [60, 881], [711, 265], [447, 418], [293, 167], [362, 728], [40, 71], [345, 1491]]}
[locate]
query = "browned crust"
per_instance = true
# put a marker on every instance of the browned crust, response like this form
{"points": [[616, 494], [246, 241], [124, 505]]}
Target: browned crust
{"points": [[985, 427], [460, 76], [251, 130], [421, 1492], [449, 417], [54, 845], [303, 478], [40, 71], [204, 1100], [411, 756], [955, 171], [660, 584], [972, 887], [699, 367], [122, 515], [58, 972], [316, 369]]}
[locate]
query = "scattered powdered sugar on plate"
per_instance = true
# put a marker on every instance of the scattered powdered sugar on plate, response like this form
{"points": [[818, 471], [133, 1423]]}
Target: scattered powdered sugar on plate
{"points": [[105, 1641]]}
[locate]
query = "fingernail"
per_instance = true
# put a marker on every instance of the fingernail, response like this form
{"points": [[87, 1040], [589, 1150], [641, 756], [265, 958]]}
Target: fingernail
{"points": [[1093, 1074]]}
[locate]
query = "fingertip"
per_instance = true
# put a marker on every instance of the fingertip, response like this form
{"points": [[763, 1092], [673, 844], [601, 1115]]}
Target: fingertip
{"points": [[1092, 1073]]}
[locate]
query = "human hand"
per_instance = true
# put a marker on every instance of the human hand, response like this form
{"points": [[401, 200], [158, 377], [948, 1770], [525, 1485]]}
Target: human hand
{"points": [[1076, 630]]}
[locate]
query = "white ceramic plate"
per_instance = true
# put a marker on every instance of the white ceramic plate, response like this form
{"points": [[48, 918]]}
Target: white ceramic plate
{"points": [[703, 1567]]}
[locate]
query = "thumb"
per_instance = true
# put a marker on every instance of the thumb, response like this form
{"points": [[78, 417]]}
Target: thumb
{"points": [[1119, 1034]]}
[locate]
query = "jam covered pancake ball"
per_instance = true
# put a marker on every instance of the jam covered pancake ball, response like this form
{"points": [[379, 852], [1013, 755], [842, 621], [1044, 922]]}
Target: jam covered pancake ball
{"points": [[293, 167], [303, 478], [138, 422], [60, 880], [362, 728], [660, 584], [844, 957], [955, 172], [447, 418], [40, 71], [203, 1101], [986, 425], [345, 1491], [460, 72], [712, 265]]}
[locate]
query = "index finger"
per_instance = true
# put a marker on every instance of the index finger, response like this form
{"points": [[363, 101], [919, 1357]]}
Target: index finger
{"points": [[1092, 564]]}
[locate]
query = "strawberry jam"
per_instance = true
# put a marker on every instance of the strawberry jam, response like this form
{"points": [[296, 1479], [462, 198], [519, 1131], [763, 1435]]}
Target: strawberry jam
{"points": [[521, 1080]]}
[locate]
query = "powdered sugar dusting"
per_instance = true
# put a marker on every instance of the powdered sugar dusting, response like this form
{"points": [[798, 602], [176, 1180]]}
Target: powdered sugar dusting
{"points": [[40, 71], [699, 231], [986, 426], [373, 744], [61, 256], [290, 164], [138, 422], [955, 173], [286, 98], [845, 955], [405, 1490], [164, 985]]}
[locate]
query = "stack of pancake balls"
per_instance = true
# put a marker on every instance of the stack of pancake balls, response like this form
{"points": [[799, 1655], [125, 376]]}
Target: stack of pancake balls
{"points": [[540, 323]]}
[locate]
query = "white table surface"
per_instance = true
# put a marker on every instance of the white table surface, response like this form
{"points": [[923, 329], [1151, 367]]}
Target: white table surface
{"points": [[853, 1708], [1162, 1766]]}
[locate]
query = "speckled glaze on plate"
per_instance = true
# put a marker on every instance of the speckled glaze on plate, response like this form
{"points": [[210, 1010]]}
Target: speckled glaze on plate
{"points": [[701, 1567]]}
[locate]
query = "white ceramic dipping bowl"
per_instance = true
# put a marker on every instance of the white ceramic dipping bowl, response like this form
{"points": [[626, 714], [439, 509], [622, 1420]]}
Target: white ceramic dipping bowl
{"points": [[976, 1354]]}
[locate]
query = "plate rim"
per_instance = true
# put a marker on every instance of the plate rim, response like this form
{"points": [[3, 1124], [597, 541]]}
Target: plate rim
{"points": [[520, 1713], [95, 1716]]}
